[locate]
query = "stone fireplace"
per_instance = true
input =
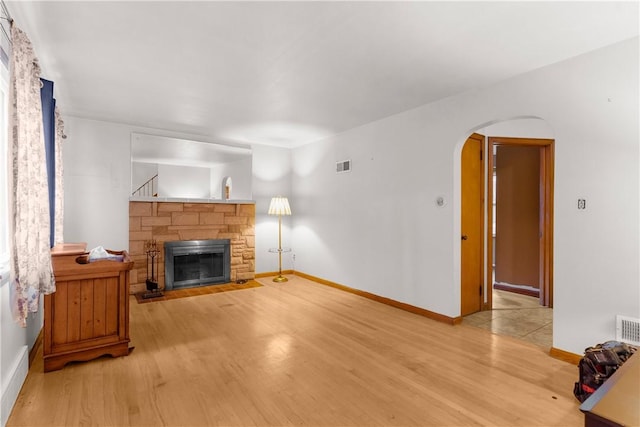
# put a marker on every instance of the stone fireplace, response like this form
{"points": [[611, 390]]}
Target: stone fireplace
{"points": [[170, 221], [191, 263]]}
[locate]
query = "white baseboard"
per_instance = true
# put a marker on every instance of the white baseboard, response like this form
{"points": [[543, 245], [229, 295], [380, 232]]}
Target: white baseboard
{"points": [[11, 388]]}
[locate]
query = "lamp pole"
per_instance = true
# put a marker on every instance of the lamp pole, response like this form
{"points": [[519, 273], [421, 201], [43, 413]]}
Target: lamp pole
{"points": [[280, 277]]}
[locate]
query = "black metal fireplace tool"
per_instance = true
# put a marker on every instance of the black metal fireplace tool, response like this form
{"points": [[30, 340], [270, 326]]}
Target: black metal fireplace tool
{"points": [[151, 248]]}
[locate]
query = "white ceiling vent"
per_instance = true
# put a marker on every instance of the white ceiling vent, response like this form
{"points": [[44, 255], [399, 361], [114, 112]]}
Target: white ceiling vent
{"points": [[343, 166], [628, 330]]}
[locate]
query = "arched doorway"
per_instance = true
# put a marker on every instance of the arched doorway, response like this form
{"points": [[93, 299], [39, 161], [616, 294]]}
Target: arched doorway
{"points": [[477, 295]]}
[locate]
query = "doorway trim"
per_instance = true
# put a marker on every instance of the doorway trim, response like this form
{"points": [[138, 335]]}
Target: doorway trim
{"points": [[546, 213]]}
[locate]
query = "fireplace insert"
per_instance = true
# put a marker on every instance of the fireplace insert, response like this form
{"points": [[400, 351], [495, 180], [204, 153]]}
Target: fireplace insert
{"points": [[191, 263]]}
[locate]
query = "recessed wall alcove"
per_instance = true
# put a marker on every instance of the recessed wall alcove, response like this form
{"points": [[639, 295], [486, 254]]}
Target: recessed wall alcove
{"points": [[178, 221]]}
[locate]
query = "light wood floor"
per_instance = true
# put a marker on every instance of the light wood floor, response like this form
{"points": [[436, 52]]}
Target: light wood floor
{"points": [[302, 353]]}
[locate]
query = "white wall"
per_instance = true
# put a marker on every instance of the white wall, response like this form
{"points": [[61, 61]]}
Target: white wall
{"points": [[519, 128], [184, 181], [97, 183], [272, 177], [240, 180], [141, 173], [15, 344], [378, 228]]}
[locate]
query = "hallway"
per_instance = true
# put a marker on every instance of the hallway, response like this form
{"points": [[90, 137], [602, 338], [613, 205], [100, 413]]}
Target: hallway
{"points": [[518, 316]]}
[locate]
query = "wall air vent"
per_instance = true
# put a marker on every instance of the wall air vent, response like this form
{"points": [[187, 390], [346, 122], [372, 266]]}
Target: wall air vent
{"points": [[343, 166], [628, 330]]}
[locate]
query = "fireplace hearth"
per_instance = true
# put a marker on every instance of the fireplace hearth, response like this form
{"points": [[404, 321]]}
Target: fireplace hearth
{"points": [[192, 263]]}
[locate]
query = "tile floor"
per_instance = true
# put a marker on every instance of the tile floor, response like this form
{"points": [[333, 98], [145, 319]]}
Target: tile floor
{"points": [[518, 316]]}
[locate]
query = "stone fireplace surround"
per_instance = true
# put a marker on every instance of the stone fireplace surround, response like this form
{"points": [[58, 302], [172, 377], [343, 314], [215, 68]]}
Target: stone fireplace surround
{"points": [[171, 221]]}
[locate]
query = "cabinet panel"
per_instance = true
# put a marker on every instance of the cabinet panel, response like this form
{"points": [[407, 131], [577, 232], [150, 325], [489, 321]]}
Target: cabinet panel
{"points": [[112, 299], [72, 316], [86, 309], [59, 313], [100, 308]]}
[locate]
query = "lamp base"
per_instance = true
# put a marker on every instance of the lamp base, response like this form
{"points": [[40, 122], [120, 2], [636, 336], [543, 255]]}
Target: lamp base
{"points": [[280, 279]]}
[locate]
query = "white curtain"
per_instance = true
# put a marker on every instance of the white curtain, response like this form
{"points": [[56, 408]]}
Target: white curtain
{"points": [[59, 211], [31, 271]]}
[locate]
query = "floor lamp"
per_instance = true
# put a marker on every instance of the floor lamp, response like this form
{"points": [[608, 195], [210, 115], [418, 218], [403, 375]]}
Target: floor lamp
{"points": [[279, 206]]}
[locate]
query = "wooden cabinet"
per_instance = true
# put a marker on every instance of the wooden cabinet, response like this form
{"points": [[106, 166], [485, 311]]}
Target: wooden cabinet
{"points": [[88, 315]]}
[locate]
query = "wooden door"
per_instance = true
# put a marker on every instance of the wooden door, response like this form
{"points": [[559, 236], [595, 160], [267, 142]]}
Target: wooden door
{"points": [[518, 233], [546, 179], [472, 225]]}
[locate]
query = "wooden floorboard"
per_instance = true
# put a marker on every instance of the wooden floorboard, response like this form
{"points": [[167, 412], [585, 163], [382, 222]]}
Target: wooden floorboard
{"points": [[301, 353]]}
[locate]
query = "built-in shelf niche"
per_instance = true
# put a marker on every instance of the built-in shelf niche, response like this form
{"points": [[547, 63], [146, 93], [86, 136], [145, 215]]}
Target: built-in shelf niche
{"points": [[189, 169]]}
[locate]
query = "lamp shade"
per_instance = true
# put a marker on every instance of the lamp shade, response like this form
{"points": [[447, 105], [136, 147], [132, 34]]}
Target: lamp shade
{"points": [[279, 206]]}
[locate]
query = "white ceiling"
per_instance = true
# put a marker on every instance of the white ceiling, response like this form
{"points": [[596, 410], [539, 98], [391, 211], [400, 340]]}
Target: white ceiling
{"points": [[288, 73]]}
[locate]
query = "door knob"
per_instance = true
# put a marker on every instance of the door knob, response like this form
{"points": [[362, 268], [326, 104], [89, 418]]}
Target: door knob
{"points": [[465, 237]]}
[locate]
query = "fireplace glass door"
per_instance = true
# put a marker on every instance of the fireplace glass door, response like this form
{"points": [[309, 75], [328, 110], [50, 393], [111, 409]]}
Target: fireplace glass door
{"points": [[196, 263], [188, 269]]}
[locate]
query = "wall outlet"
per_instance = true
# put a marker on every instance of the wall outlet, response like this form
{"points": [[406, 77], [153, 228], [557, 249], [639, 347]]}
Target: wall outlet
{"points": [[582, 203], [293, 257]]}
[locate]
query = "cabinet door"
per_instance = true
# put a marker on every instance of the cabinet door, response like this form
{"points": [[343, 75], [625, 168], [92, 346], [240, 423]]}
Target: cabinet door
{"points": [[85, 311]]}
